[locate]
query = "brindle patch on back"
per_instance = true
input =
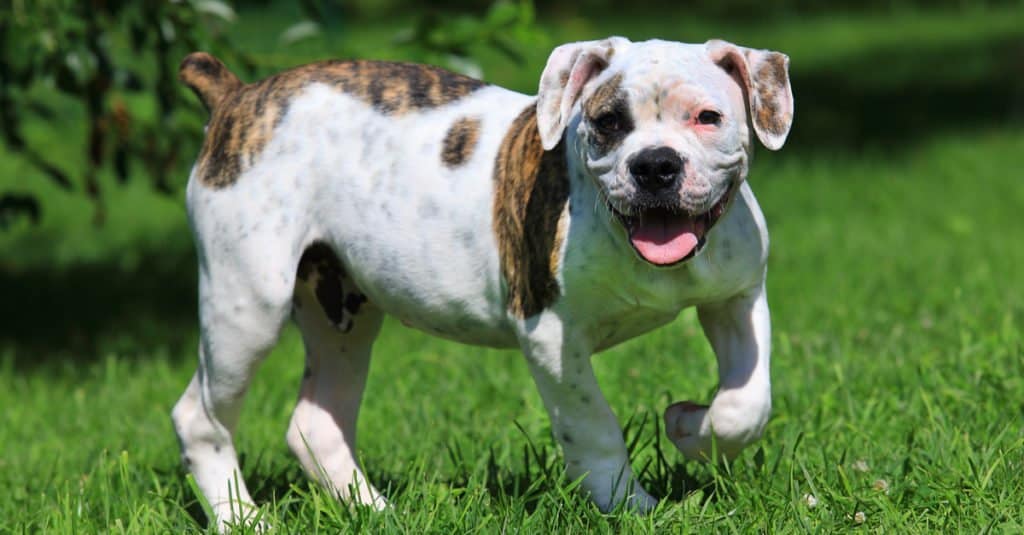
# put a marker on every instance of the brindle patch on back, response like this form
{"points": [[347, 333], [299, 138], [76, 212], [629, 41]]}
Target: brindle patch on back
{"points": [[244, 118], [320, 269], [392, 88], [530, 202], [609, 98], [460, 141]]}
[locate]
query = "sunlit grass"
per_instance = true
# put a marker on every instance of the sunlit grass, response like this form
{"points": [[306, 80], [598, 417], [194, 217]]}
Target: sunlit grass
{"points": [[898, 366]]}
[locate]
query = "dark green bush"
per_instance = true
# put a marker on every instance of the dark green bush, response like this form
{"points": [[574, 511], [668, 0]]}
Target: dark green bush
{"points": [[101, 76], [111, 65]]}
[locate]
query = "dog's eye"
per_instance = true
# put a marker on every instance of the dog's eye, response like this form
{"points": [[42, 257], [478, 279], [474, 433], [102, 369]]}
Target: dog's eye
{"points": [[608, 122], [709, 117]]}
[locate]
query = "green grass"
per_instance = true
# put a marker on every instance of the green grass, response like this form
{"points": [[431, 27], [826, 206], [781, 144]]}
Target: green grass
{"points": [[898, 358]]}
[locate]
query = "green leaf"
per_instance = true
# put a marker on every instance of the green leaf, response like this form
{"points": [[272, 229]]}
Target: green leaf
{"points": [[81, 63], [300, 31], [216, 9], [502, 13]]}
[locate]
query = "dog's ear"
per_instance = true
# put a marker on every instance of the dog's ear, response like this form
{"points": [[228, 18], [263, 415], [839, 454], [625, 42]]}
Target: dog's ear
{"points": [[764, 77], [568, 70]]}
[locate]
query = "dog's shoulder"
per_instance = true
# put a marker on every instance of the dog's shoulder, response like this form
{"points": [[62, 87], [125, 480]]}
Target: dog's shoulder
{"points": [[530, 206]]}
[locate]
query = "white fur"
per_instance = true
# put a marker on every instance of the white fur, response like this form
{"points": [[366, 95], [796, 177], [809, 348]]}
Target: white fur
{"points": [[416, 237]]}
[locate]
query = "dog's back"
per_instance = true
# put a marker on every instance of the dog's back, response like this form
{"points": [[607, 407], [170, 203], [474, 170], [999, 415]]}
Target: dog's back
{"points": [[345, 152], [244, 116]]}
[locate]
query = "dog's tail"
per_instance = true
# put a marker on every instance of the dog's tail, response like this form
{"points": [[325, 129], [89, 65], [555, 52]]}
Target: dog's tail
{"points": [[208, 77]]}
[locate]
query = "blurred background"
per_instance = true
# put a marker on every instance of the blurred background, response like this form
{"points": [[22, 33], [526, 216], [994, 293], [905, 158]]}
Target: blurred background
{"points": [[894, 280]]}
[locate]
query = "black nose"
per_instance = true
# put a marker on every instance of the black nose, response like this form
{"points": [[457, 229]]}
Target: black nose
{"points": [[656, 169]]}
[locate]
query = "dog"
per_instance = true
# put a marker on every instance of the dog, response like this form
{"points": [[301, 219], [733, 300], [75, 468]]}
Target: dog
{"points": [[562, 224]]}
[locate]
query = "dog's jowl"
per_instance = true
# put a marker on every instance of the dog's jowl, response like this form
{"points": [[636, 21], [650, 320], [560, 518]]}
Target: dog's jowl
{"points": [[562, 224]]}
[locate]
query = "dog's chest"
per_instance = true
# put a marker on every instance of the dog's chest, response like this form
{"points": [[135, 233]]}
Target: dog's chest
{"points": [[615, 309], [610, 310], [612, 296]]}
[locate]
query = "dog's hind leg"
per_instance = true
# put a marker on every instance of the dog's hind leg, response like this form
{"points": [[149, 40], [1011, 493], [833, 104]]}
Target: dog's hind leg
{"points": [[338, 329], [244, 297]]}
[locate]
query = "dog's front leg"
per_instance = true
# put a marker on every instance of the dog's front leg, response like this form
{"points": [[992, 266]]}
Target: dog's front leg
{"points": [[740, 334], [581, 419]]}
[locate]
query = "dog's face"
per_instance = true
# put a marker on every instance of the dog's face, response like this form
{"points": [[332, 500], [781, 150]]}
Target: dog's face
{"points": [[663, 129]]}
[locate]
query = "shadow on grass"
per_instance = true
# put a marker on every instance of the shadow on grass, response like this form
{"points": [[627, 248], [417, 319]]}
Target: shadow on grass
{"points": [[84, 311], [538, 477]]}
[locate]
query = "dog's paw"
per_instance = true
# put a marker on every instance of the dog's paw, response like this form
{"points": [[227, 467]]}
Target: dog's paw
{"points": [[640, 502], [687, 426], [698, 430], [635, 500], [233, 516], [369, 498]]}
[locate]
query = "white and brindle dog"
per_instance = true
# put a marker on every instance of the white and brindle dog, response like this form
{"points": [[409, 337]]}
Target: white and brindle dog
{"points": [[563, 224]]}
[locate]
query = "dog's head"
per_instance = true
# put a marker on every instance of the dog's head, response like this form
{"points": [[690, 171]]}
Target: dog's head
{"points": [[663, 129]]}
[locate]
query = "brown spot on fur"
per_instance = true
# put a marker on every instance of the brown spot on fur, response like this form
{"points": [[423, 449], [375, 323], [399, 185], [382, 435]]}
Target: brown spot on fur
{"points": [[243, 117], [770, 81], [460, 141], [563, 78], [320, 268], [604, 97], [218, 163], [530, 202], [353, 301], [608, 98], [316, 255]]}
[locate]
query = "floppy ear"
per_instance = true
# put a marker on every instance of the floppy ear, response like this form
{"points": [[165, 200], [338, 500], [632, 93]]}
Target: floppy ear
{"points": [[569, 68], [764, 77]]}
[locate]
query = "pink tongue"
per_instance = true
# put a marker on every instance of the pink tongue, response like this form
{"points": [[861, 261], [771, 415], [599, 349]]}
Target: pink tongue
{"points": [[664, 240]]}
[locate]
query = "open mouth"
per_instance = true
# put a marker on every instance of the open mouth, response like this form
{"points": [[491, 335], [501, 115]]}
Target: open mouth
{"points": [[664, 237]]}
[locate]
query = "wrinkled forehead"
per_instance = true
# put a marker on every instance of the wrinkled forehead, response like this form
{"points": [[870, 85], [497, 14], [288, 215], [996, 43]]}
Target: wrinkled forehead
{"points": [[656, 70]]}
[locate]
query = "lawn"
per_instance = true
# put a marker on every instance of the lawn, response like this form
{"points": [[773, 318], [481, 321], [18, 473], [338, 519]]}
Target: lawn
{"points": [[894, 281]]}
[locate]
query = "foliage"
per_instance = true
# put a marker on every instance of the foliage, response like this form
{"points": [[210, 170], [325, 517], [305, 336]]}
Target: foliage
{"points": [[440, 37], [507, 27], [113, 64], [733, 10]]}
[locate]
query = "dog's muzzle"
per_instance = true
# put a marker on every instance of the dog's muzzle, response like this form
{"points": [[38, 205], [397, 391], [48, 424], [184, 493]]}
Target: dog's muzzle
{"points": [[665, 236]]}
